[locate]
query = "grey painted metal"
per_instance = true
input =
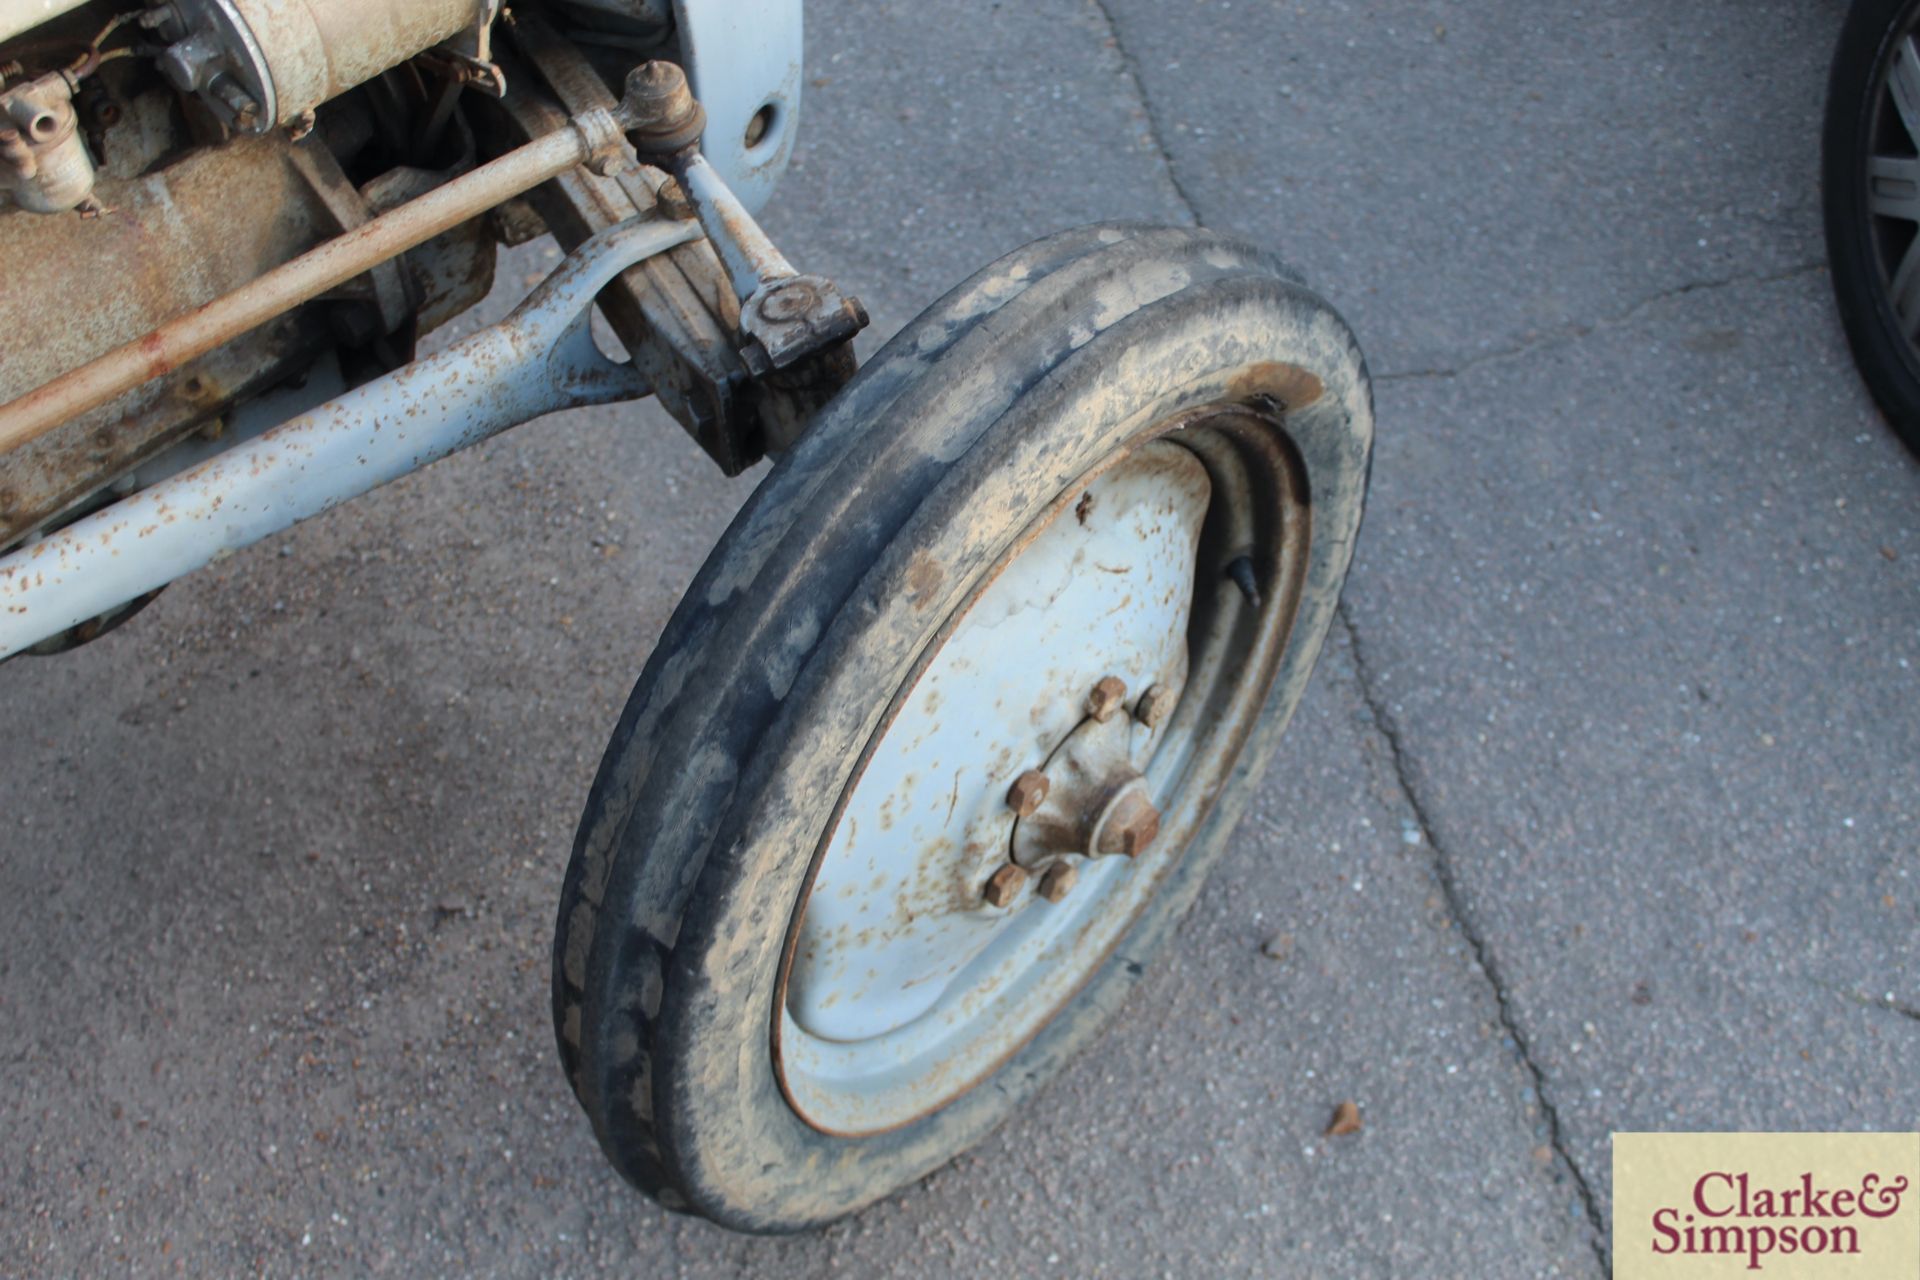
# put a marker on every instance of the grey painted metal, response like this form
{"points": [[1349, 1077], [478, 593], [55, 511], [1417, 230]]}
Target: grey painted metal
{"points": [[940, 928], [750, 257], [742, 57], [260, 63], [540, 359], [318, 49], [784, 315], [17, 16]]}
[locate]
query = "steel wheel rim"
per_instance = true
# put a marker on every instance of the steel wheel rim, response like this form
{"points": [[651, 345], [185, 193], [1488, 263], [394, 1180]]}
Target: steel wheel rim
{"points": [[1891, 183], [853, 1054]]}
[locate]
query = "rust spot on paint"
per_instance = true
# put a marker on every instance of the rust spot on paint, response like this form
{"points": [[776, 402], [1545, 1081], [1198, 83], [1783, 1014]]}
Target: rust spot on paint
{"points": [[1083, 508], [1290, 385], [924, 576], [153, 348]]}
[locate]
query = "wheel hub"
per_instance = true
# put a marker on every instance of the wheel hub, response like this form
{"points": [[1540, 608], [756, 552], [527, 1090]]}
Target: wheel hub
{"points": [[1090, 799]]}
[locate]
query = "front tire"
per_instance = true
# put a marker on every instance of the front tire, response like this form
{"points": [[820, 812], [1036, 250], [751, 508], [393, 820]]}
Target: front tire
{"points": [[1163, 416]]}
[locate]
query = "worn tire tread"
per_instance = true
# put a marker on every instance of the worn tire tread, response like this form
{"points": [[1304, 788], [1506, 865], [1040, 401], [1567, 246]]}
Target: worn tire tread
{"points": [[658, 836]]}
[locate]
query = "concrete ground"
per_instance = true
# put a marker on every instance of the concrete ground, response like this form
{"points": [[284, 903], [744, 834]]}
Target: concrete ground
{"points": [[1599, 815]]}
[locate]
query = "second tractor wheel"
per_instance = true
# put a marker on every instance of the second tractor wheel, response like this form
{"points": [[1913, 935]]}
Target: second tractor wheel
{"points": [[946, 734], [1870, 189]]}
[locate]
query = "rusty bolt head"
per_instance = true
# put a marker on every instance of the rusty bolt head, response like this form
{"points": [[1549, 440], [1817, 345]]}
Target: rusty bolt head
{"points": [[246, 110], [1153, 706], [1027, 791], [1107, 697], [789, 301], [1057, 880], [1132, 826], [1004, 885]]}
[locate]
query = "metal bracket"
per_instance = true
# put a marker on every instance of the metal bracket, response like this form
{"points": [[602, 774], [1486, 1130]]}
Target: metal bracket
{"points": [[784, 317], [668, 311], [386, 286], [742, 349]]}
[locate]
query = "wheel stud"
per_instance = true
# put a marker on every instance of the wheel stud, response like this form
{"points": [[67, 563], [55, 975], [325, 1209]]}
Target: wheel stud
{"points": [[1027, 792], [1057, 879], [1153, 706], [1004, 885], [1107, 697]]}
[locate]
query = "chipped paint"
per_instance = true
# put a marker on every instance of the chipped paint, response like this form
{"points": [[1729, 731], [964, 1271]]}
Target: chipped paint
{"points": [[917, 919]]}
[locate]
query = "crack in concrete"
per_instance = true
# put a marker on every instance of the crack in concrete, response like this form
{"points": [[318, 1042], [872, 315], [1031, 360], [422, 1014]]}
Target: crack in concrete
{"points": [[1482, 951], [1575, 331], [1389, 731], [1130, 68], [1887, 1005]]}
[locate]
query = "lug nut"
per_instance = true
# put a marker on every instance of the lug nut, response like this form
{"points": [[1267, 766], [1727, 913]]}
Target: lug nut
{"points": [[1106, 698], [1057, 879], [1028, 790], [1132, 826], [1004, 885], [1153, 706]]}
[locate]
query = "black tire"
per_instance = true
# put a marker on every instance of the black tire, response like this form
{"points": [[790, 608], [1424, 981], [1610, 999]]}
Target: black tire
{"points": [[1863, 250], [752, 713]]}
